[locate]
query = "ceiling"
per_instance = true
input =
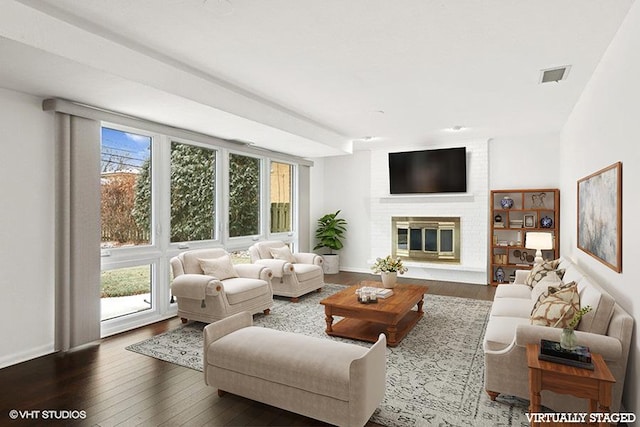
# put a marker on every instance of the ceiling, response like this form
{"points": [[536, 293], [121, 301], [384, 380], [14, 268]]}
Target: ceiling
{"points": [[314, 78]]}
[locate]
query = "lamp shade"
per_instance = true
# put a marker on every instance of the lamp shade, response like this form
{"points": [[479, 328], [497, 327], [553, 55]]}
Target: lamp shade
{"points": [[539, 241]]}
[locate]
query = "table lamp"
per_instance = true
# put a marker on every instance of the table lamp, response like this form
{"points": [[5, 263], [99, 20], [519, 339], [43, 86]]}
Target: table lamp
{"points": [[538, 241]]}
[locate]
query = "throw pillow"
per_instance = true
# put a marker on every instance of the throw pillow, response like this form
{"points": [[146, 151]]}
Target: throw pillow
{"points": [[550, 280], [283, 253], [558, 308], [220, 268], [539, 271], [543, 289]]}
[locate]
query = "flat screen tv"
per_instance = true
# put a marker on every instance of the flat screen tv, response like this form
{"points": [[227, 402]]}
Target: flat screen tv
{"points": [[428, 171]]}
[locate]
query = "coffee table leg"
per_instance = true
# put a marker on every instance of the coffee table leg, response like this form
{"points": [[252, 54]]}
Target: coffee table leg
{"points": [[392, 337], [420, 304], [328, 318]]}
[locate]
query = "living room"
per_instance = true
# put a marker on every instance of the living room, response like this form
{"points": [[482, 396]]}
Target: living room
{"points": [[595, 131]]}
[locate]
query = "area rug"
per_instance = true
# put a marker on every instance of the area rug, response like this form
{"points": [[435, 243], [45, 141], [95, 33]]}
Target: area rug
{"points": [[434, 377]]}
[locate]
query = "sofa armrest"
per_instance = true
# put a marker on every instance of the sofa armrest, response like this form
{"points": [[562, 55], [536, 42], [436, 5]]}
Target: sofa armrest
{"points": [[610, 348], [367, 380], [308, 258], [521, 276], [278, 267], [196, 286], [254, 271]]}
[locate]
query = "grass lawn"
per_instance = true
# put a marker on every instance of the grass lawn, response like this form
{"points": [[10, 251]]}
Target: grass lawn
{"points": [[126, 281]]}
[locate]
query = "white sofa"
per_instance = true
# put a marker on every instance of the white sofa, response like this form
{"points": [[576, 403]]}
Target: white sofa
{"points": [[332, 381], [606, 330]]}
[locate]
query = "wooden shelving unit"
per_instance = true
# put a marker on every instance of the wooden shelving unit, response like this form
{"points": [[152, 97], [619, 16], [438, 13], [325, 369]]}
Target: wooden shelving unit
{"points": [[533, 210]]}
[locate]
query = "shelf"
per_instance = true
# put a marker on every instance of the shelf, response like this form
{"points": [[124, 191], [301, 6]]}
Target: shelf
{"points": [[529, 207]]}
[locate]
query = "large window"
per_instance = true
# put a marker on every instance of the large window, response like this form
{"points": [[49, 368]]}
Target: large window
{"points": [[193, 213], [281, 190], [125, 188], [244, 195]]}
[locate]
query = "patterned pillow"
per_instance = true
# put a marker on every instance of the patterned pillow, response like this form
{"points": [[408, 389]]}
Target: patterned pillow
{"points": [[220, 268], [539, 271], [558, 308], [283, 253], [543, 289]]}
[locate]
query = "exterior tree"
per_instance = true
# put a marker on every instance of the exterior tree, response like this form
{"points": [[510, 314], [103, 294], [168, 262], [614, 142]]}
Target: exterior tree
{"points": [[244, 195]]}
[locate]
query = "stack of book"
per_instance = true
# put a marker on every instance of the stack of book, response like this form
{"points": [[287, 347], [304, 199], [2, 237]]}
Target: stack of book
{"points": [[380, 292], [551, 351]]}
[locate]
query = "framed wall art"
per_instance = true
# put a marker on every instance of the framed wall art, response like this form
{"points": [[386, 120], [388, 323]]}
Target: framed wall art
{"points": [[600, 215]]}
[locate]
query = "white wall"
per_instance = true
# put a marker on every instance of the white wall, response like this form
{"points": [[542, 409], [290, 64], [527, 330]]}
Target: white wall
{"points": [[358, 185], [26, 228], [345, 187], [525, 162], [603, 129]]}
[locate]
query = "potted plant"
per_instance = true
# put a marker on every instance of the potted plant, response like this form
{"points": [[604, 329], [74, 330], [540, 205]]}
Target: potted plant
{"points": [[389, 268], [330, 233]]}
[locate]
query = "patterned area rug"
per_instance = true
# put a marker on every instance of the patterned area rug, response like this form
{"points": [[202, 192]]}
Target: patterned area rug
{"points": [[434, 377]]}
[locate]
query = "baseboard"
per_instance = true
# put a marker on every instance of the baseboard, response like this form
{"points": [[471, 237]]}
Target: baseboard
{"points": [[33, 353]]}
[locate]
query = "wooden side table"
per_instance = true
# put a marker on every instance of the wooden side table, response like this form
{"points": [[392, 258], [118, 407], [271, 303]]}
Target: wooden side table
{"points": [[583, 383]]}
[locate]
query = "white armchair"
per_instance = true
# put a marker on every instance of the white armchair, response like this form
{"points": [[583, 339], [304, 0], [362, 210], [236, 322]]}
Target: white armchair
{"points": [[209, 287], [294, 275]]}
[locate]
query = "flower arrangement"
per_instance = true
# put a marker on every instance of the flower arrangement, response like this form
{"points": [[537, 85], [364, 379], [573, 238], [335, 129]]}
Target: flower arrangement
{"points": [[389, 265], [578, 316]]}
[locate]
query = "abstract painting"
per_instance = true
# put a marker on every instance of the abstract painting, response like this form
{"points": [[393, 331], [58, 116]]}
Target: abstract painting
{"points": [[600, 215]]}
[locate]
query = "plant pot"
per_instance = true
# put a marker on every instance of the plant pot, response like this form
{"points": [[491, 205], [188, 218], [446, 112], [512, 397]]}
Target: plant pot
{"points": [[331, 263], [389, 279]]}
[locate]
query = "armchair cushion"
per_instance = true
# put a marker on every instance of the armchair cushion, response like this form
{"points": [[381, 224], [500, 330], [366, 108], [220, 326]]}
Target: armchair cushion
{"points": [[241, 289], [221, 268], [306, 272], [283, 253]]}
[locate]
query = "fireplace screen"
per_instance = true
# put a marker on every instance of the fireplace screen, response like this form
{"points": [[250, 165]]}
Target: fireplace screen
{"points": [[426, 238]]}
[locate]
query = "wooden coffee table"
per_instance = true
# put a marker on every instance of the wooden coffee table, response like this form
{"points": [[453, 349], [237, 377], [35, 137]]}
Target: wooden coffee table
{"points": [[392, 316]]}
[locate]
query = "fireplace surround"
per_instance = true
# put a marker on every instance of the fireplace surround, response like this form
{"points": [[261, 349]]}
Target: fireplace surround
{"points": [[431, 239]]}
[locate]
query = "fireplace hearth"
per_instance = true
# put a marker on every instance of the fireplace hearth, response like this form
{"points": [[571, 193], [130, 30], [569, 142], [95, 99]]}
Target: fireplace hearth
{"points": [[432, 239]]}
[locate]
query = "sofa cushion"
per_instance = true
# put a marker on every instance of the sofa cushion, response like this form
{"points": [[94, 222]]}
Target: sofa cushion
{"points": [[501, 331], [512, 307], [512, 291], [539, 271], [264, 248], [317, 365], [242, 289], [283, 253], [556, 309], [602, 304], [221, 268]]}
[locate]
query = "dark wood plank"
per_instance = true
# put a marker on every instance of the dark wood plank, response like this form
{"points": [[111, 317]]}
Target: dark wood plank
{"points": [[115, 386]]}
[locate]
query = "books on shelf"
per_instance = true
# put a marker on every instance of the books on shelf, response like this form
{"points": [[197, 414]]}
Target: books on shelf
{"points": [[551, 351], [380, 292]]}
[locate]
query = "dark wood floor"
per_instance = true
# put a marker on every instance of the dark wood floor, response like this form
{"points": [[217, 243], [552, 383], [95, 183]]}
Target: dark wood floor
{"points": [[114, 386]]}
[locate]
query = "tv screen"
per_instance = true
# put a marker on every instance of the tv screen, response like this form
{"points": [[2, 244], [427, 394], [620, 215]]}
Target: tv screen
{"points": [[428, 171]]}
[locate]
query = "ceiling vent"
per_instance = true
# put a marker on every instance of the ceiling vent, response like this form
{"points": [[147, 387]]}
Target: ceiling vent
{"points": [[554, 74]]}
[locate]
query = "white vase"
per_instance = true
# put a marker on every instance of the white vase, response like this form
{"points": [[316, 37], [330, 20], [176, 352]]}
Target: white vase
{"points": [[331, 263], [389, 278]]}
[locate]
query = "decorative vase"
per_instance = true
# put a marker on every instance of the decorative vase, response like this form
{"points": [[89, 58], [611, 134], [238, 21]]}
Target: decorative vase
{"points": [[389, 279], [497, 218], [499, 275], [506, 202], [568, 339], [546, 222]]}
